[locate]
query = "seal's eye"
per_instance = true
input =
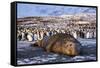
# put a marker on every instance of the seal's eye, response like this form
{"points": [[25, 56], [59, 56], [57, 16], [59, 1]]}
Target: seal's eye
{"points": [[70, 44]]}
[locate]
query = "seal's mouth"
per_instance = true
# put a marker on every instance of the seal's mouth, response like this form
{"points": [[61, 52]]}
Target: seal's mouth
{"points": [[70, 49], [70, 52]]}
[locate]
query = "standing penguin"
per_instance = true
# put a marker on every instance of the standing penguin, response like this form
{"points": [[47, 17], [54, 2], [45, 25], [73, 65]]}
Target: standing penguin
{"points": [[23, 36], [29, 36], [75, 34], [35, 36], [87, 35]]}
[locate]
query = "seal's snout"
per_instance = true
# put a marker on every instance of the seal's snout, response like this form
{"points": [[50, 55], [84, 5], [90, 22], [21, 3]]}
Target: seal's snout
{"points": [[70, 49]]}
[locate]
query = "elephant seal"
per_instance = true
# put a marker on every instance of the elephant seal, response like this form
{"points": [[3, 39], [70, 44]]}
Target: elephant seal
{"points": [[61, 43]]}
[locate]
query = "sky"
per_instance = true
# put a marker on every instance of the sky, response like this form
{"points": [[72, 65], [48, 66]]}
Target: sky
{"points": [[27, 10]]}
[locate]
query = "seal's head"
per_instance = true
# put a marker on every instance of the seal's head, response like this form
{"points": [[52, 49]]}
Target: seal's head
{"points": [[69, 48]]}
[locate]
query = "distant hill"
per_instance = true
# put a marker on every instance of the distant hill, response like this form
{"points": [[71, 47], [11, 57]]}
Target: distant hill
{"points": [[90, 17]]}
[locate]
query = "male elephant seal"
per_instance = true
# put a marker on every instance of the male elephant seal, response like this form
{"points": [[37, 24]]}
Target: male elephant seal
{"points": [[61, 43]]}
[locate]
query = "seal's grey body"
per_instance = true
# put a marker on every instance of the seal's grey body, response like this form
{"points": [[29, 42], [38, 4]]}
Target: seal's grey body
{"points": [[61, 43]]}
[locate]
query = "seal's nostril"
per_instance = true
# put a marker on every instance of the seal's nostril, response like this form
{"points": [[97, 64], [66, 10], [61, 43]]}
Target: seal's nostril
{"points": [[67, 46]]}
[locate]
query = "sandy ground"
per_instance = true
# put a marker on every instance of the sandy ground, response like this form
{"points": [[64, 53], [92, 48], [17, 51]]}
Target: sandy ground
{"points": [[26, 54]]}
